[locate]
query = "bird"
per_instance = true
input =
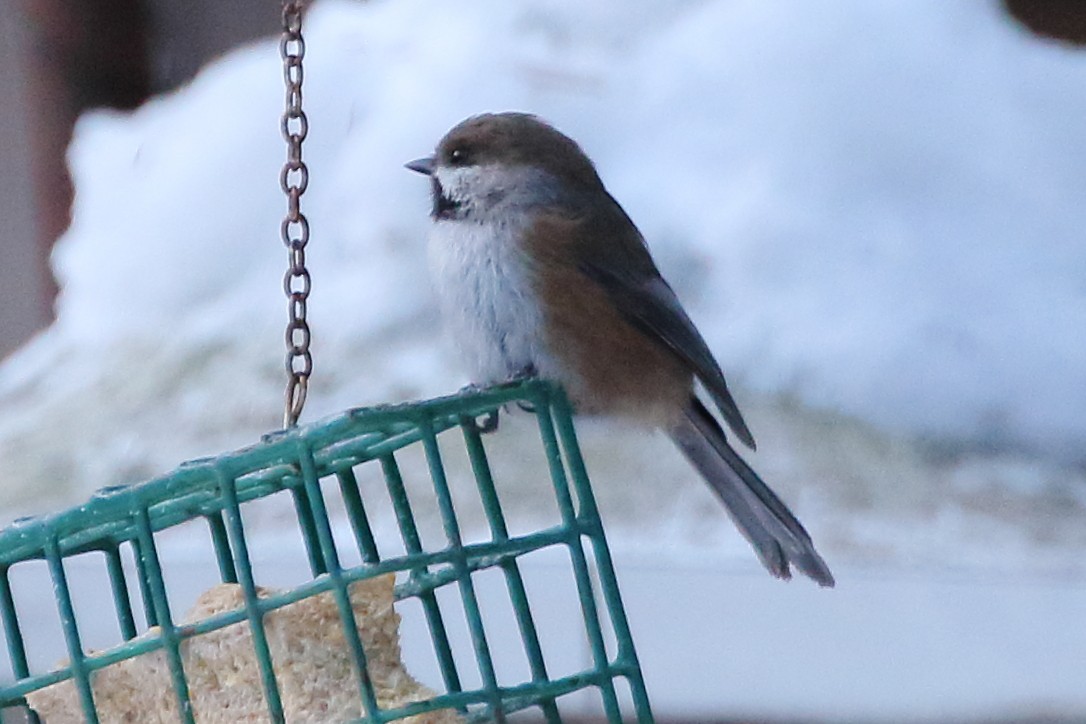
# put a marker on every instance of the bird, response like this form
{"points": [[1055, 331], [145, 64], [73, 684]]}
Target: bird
{"points": [[540, 272]]}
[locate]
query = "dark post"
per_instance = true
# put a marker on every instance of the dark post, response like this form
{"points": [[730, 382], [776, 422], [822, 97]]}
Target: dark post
{"points": [[69, 55]]}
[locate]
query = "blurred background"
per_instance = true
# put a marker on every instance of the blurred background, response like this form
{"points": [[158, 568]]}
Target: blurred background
{"points": [[873, 211]]}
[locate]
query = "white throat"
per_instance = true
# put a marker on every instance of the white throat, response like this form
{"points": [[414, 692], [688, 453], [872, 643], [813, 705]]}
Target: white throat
{"points": [[484, 282]]}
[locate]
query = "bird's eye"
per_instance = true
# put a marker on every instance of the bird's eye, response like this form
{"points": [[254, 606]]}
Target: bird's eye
{"points": [[458, 156]]}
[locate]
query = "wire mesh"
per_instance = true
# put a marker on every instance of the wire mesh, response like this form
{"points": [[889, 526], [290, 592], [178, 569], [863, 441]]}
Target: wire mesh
{"points": [[305, 463]]}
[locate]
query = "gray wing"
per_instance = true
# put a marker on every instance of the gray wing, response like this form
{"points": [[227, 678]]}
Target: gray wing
{"points": [[647, 302]]}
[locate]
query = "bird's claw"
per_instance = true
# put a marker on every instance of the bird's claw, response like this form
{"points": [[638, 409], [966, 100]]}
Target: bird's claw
{"points": [[489, 421], [484, 424], [528, 372]]}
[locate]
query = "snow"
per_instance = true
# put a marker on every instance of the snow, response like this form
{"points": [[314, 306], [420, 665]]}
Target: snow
{"points": [[872, 208], [872, 211]]}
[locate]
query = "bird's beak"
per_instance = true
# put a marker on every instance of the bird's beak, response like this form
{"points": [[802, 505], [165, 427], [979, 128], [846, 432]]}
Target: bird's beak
{"points": [[425, 166]]}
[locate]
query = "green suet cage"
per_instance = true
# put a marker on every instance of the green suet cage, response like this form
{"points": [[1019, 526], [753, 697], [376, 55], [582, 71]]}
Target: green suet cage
{"points": [[315, 467]]}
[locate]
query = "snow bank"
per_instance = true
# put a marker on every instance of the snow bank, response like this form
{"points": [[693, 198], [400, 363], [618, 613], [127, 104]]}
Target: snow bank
{"points": [[875, 209]]}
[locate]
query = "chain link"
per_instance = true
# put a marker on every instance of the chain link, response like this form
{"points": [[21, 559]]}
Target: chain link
{"points": [[294, 180]]}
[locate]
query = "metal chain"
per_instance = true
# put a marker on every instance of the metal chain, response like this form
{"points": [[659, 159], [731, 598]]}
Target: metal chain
{"points": [[295, 228]]}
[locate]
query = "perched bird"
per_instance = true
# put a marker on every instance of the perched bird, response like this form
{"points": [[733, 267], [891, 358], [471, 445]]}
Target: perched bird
{"points": [[541, 273]]}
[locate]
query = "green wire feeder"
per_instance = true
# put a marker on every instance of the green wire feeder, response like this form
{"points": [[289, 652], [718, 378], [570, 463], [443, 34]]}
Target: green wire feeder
{"points": [[303, 462]]}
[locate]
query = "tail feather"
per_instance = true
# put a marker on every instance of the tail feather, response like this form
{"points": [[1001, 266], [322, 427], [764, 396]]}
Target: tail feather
{"points": [[777, 537]]}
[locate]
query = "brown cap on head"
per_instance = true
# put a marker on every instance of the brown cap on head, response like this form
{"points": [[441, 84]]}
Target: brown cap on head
{"points": [[516, 139]]}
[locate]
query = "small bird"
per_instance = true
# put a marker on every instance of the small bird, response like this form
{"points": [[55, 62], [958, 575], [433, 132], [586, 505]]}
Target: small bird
{"points": [[540, 272]]}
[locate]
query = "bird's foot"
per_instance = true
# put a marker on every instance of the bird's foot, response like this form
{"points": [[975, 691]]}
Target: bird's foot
{"points": [[488, 423], [483, 424], [527, 372], [470, 389]]}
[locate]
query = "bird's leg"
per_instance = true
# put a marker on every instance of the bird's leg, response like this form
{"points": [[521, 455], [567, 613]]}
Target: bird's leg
{"points": [[528, 372], [484, 424], [489, 421]]}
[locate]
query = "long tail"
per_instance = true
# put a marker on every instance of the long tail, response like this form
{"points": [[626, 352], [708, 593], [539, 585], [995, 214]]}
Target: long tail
{"points": [[777, 537]]}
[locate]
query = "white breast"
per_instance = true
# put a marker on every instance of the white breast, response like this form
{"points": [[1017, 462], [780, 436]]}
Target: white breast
{"points": [[483, 282]]}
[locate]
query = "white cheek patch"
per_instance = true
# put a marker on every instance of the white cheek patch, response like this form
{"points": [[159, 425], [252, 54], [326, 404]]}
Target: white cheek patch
{"points": [[495, 192], [460, 183]]}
